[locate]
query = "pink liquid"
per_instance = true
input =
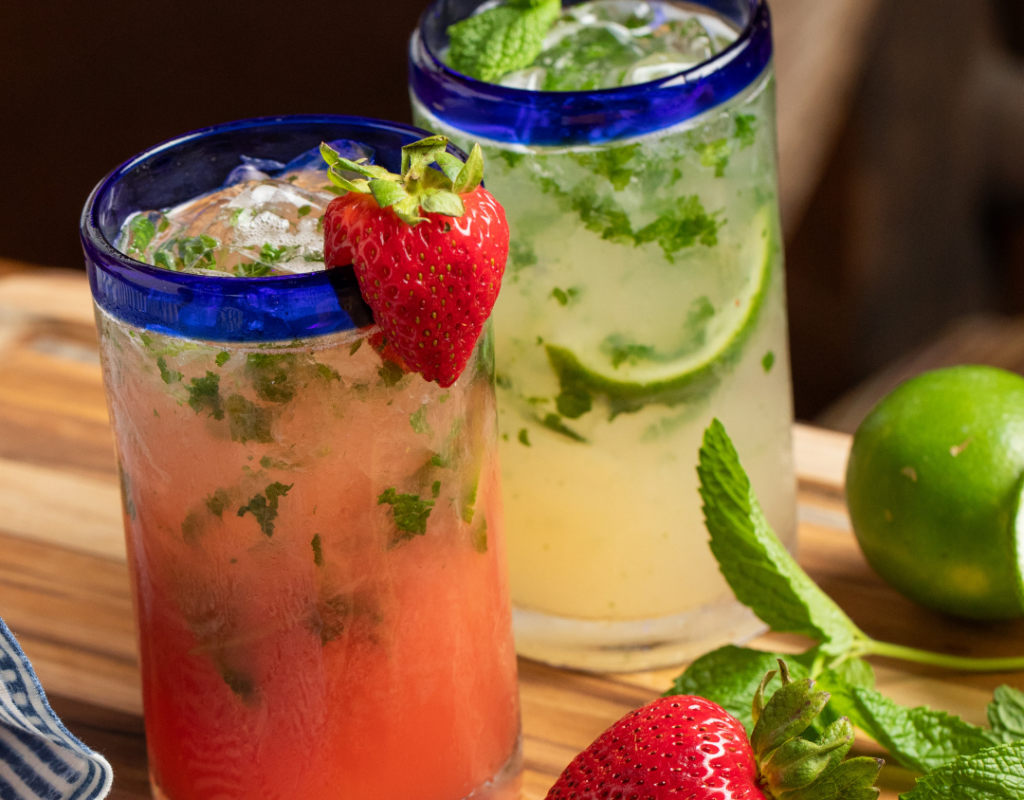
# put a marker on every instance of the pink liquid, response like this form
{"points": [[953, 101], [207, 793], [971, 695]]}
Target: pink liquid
{"points": [[319, 649]]}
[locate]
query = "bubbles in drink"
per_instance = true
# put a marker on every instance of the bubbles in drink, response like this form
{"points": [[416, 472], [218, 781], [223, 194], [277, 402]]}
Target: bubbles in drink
{"points": [[267, 219], [609, 43]]}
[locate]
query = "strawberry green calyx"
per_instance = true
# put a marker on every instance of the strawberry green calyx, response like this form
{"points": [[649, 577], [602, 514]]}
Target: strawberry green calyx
{"points": [[792, 768], [420, 187]]}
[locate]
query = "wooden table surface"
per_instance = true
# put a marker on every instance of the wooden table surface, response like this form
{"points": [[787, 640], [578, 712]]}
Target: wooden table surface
{"points": [[64, 584]]}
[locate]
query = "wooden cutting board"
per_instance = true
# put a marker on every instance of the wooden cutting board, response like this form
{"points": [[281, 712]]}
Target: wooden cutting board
{"points": [[64, 583]]}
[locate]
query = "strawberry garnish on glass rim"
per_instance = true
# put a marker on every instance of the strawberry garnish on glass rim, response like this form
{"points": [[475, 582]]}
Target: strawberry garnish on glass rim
{"points": [[428, 248], [688, 748]]}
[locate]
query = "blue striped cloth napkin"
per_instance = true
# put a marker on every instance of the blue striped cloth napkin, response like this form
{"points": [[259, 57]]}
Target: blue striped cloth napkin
{"points": [[39, 758]]}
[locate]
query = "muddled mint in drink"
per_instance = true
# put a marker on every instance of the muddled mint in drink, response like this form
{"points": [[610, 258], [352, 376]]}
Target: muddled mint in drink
{"points": [[609, 43], [643, 290], [265, 220]]}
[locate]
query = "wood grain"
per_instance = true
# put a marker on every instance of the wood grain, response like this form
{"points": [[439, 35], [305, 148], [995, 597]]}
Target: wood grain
{"points": [[64, 583]]}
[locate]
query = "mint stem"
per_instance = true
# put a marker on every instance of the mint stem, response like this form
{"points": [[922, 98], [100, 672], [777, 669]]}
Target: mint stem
{"points": [[967, 664]]}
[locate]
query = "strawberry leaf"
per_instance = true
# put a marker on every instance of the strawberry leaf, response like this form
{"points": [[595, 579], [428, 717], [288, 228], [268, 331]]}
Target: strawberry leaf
{"points": [[449, 164], [434, 180], [472, 172], [786, 715], [407, 210], [799, 762], [851, 780], [386, 192], [993, 774], [416, 157], [360, 185], [446, 203], [360, 167], [759, 569]]}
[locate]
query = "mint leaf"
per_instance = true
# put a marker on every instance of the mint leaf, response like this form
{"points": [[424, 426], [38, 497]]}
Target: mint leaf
{"points": [[682, 227], [252, 269], [248, 421], [327, 372], [730, 676], [553, 422], [197, 251], [601, 214], [586, 59], [264, 506], [919, 738], [390, 373], [500, 40], [746, 129], [204, 394], [273, 375], [141, 231], [409, 512], [223, 357], [609, 163], [167, 375], [714, 154], [217, 502], [329, 620], [274, 463], [191, 528], [418, 421], [1006, 713], [993, 774], [762, 573]]}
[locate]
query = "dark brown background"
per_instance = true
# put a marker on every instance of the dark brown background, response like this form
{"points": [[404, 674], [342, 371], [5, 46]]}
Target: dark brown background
{"points": [[86, 85]]}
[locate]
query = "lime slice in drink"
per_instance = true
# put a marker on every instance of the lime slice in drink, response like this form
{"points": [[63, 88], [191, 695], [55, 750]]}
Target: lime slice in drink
{"points": [[632, 375]]}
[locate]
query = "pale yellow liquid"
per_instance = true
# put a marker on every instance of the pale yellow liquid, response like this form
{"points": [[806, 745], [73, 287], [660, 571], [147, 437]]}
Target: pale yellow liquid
{"points": [[610, 566]]}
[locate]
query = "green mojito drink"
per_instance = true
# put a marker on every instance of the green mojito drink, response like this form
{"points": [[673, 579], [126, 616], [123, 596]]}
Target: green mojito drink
{"points": [[635, 158]]}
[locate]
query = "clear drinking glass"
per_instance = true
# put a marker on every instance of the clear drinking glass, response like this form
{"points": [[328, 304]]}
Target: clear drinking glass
{"points": [[644, 295], [315, 538]]}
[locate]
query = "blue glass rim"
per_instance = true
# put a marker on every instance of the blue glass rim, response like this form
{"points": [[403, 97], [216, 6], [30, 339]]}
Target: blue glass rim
{"points": [[521, 116], [221, 309]]}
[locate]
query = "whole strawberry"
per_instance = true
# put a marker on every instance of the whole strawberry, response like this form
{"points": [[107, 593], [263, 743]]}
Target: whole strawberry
{"points": [[688, 748], [428, 248]]}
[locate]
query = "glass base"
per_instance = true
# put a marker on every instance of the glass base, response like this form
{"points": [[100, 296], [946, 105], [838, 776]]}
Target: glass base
{"points": [[632, 645], [507, 781], [506, 784]]}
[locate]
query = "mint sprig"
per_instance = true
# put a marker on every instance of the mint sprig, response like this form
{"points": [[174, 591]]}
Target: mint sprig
{"points": [[1006, 714], [993, 774], [761, 572], [919, 738], [501, 40], [765, 577], [957, 759]]}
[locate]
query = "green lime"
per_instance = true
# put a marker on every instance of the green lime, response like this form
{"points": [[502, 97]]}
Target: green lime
{"points": [[632, 375], [934, 484]]}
